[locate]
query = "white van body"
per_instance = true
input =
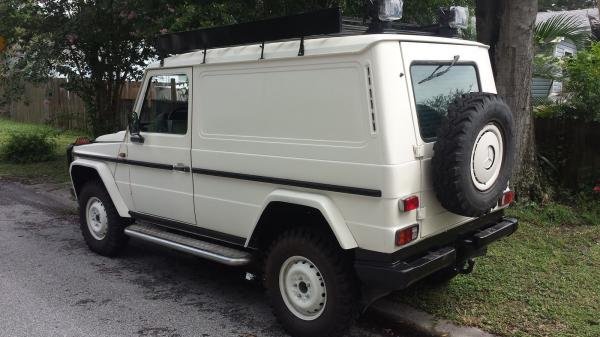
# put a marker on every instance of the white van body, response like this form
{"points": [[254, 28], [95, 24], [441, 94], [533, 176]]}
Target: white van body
{"points": [[259, 143], [342, 115]]}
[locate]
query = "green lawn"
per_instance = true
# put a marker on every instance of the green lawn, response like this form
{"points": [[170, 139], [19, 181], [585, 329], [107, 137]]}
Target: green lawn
{"points": [[53, 171], [542, 281]]}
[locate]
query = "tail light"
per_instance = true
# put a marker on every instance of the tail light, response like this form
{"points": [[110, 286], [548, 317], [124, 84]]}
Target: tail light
{"points": [[409, 204], [507, 198], [407, 235], [82, 141]]}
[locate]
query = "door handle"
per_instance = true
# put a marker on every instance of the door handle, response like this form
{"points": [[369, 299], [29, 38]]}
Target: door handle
{"points": [[180, 167]]}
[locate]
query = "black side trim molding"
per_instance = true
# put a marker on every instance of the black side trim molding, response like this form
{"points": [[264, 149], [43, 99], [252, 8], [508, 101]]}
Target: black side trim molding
{"points": [[290, 182], [231, 175], [190, 229], [125, 161]]}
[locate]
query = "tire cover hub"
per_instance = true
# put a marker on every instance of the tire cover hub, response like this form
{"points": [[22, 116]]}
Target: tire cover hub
{"points": [[486, 159]]}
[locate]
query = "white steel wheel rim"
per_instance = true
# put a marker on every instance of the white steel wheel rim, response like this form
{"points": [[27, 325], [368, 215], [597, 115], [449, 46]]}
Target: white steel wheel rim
{"points": [[487, 157], [97, 218], [302, 287]]}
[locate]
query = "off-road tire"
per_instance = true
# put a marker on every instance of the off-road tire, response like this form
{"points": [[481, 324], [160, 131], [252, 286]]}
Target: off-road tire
{"points": [[452, 180], [341, 308], [115, 239]]}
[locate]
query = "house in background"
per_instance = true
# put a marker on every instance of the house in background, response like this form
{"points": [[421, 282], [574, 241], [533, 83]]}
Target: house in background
{"points": [[543, 87]]}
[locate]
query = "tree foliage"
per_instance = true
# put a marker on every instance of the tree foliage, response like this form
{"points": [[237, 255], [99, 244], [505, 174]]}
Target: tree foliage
{"points": [[583, 83], [545, 35], [193, 14], [99, 44]]}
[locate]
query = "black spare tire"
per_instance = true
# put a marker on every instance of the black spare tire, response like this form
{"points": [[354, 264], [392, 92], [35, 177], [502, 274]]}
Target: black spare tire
{"points": [[474, 154]]}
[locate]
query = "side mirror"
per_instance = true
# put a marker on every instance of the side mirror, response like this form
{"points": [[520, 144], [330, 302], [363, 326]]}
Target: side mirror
{"points": [[134, 128]]}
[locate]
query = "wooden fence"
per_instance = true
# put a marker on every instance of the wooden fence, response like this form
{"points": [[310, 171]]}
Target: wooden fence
{"points": [[51, 104], [572, 148]]}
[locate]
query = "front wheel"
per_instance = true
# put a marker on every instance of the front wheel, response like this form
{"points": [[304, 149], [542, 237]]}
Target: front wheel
{"points": [[311, 284], [101, 225]]}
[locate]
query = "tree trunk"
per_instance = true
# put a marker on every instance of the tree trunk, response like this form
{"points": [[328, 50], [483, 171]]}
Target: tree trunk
{"points": [[507, 26]]}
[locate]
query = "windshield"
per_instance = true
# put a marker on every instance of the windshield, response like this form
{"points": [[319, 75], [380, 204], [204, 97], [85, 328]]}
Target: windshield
{"points": [[434, 95]]}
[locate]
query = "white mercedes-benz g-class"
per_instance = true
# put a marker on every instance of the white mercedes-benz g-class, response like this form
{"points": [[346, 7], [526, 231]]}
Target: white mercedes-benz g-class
{"points": [[338, 168]]}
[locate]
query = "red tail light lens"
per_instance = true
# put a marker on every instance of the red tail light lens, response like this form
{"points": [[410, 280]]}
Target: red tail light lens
{"points": [[410, 203], [82, 141], [507, 199], [407, 235]]}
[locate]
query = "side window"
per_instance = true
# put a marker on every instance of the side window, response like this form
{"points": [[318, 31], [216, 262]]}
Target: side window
{"points": [[435, 89], [165, 108]]}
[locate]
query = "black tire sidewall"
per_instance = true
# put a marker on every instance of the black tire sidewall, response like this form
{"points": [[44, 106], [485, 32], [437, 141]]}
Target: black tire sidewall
{"points": [[115, 238], [452, 160], [327, 324], [493, 113]]}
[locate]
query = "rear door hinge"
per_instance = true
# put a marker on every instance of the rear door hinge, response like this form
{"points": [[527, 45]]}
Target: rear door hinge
{"points": [[419, 151]]}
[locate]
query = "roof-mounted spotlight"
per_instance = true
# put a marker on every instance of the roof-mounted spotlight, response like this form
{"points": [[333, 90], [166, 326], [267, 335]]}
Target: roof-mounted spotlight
{"points": [[455, 17], [390, 10], [383, 13]]}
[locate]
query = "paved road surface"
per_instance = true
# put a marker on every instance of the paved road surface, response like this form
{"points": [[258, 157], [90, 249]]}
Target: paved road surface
{"points": [[51, 285]]}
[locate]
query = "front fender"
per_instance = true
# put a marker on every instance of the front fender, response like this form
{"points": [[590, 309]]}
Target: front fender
{"points": [[324, 204], [107, 179]]}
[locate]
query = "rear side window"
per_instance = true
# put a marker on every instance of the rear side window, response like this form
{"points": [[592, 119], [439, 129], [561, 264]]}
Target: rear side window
{"points": [[435, 89], [165, 108]]}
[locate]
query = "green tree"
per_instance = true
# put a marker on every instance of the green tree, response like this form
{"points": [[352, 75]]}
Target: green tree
{"points": [[583, 83], [546, 65], [97, 45], [191, 14]]}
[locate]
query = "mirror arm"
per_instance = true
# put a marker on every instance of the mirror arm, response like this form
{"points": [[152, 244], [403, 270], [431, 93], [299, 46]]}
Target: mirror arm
{"points": [[136, 138]]}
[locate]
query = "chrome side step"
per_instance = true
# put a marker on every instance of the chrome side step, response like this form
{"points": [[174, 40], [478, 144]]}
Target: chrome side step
{"points": [[208, 250]]}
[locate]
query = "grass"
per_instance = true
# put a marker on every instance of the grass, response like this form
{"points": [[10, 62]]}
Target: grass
{"points": [[542, 281], [53, 171]]}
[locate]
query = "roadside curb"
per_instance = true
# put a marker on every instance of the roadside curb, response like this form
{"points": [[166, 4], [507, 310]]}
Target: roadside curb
{"points": [[422, 321]]}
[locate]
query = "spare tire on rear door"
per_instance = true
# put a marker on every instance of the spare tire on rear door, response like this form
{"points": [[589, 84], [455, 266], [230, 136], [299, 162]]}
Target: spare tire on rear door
{"points": [[474, 154]]}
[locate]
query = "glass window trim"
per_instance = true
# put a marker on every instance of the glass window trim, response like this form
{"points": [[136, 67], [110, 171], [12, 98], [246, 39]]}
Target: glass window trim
{"points": [[148, 81], [437, 63]]}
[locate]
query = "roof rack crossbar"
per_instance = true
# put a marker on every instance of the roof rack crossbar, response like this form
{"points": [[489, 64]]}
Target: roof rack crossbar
{"points": [[322, 22]]}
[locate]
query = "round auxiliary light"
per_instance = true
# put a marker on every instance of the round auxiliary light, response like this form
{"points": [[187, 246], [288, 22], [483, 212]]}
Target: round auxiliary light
{"points": [[390, 10]]}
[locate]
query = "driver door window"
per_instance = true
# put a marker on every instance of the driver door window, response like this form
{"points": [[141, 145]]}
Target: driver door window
{"points": [[165, 107]]}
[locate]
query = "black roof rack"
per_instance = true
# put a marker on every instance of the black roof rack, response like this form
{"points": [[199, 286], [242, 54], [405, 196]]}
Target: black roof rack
{"points": [[322, 22], [299, 26]]}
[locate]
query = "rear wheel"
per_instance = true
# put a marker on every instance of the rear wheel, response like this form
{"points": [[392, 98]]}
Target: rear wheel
{"points": [[311, 285], [101, 225]]}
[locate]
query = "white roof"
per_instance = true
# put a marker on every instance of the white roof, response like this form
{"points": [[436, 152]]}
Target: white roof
{"points": [[289, 49], [581, 14]]}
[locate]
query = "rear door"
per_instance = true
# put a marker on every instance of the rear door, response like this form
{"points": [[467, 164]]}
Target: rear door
{"points": [[436, 75]]}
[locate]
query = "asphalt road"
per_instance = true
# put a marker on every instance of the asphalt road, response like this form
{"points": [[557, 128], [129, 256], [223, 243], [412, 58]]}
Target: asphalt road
{"points": [[52, 285]]}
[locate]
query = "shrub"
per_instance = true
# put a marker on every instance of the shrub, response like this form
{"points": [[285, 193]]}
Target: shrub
{"points": [[583, 83], [29, 147]]}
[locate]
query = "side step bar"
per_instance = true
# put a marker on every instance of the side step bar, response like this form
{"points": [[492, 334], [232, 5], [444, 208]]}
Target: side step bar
{"points": [[208, 250]]}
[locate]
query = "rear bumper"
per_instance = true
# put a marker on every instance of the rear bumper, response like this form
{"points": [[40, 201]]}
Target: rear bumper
{"points": [[400, 270]]}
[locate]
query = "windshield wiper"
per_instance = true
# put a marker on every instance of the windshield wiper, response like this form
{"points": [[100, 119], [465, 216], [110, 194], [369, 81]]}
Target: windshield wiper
{"points": [[436, 74]]}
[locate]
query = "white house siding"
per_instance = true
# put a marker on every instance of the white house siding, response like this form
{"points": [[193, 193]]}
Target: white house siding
{"points": [[544, 87]]}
